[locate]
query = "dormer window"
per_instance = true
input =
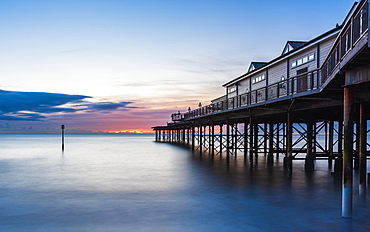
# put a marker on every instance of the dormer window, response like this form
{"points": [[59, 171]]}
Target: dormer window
{"points": [[287, 48], [291, 45], [255, 65]]}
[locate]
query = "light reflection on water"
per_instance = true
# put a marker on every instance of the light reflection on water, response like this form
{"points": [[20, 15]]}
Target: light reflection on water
{"points": [[129, 183]]}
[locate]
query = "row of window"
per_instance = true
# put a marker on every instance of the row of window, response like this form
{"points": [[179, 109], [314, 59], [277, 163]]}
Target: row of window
{"points": [[303, 60], [258, 79], [295, 63], [231, 89]]}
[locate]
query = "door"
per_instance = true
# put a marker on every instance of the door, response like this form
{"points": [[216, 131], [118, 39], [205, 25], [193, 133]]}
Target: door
{"points": [[302, 80]]}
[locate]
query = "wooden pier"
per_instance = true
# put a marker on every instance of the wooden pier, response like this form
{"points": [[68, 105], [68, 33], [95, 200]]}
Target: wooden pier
{"points": [[311, 102]]}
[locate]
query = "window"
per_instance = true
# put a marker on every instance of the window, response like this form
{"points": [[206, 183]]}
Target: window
{"points": [[231, 89], [258, 79], [303, 60]]}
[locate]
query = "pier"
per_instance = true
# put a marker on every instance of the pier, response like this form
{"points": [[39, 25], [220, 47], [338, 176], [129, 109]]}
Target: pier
{"points": [[311, 102]]}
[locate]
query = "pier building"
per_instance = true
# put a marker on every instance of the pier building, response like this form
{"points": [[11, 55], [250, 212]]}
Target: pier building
{"points": [[310, 102]]}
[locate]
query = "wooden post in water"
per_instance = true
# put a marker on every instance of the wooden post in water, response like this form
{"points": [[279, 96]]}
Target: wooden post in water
{"points": [[347, 153], [62, 127]]}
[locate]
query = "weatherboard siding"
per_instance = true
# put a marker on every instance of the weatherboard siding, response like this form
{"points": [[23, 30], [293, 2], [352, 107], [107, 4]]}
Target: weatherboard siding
{"points": [[277, 72], [258, 84], [325, 47]]}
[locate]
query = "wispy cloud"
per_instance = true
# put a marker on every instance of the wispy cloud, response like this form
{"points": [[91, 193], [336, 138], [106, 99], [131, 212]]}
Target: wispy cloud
{"points": [[109, 106], [37, 106]]}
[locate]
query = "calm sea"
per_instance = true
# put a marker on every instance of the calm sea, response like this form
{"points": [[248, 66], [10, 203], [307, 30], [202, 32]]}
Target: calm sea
{"points": [[130, 183]]}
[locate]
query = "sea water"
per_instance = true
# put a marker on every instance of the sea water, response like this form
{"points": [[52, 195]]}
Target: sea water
{"points": [[130, 183]]}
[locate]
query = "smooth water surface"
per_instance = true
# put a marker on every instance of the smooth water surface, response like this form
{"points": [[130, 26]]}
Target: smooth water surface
{"points": [[130, 183]]}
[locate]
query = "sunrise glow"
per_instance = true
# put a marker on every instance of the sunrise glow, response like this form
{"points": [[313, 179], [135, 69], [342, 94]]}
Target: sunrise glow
{"points": [[135, 131]]}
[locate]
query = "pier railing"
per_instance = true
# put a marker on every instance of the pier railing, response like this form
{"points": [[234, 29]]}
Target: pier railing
{"points": [[354, 34], [301, 83]]}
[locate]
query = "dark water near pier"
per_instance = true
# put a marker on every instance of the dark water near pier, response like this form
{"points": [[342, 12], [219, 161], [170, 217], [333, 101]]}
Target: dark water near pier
{"points": [[130, 183]]}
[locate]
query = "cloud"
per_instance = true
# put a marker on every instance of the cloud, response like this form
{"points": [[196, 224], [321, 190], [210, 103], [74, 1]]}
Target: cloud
{"points": [[34, 106], [22, 117], [109, 106], [13, 101]]}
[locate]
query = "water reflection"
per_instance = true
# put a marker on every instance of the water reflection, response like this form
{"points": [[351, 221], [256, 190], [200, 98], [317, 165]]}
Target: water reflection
{"points": [[103, 183]]}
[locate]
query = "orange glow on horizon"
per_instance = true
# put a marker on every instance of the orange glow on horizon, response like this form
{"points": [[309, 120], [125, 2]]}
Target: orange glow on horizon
{"points": [[131, 131]]}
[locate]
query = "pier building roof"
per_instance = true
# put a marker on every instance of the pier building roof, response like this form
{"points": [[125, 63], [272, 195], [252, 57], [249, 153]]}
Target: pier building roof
{"points": [[291, 45], [302, 46], [255, 65]]}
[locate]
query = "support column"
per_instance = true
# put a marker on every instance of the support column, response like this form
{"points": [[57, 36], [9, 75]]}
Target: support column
{"points": [[193, 139], [213, 140], [309, 162], [255, 146], [251, 138], [235, 139], [270, 156], [265, 138], [227, 140], [347, 153], [200, 139], [331, 143], [338, 164], [277, 141], [362, 150], [245, 139], [188, 136], [221, 140], [356, 164], [289, 143]]}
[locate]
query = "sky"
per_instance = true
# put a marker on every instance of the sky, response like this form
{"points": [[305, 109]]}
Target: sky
{"points": [[122, 65]]}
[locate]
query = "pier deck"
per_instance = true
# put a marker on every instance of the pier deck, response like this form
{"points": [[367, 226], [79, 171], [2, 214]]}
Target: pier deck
{"points": [[312, 100]]}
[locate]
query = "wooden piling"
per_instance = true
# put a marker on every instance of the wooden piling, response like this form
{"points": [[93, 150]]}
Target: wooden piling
{"points": [[347, 154]]}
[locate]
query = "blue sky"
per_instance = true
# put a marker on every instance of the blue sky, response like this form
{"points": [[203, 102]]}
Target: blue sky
{"points": [[148, 58]]}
